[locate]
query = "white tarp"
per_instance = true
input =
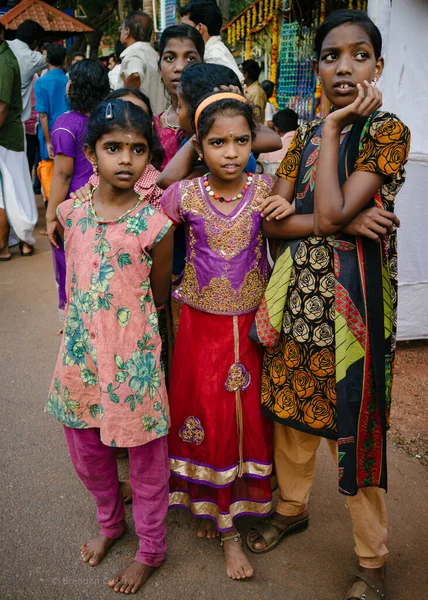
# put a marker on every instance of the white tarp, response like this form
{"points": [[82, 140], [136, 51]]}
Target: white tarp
{"points": [[404, 27]]}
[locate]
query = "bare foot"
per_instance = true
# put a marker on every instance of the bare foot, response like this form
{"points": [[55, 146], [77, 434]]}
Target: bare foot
{"points": [[132, 578], [95, 549], [207, 530], [126, 490], [237, 565]]}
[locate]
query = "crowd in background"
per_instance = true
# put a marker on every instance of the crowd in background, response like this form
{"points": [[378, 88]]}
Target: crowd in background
{"points": [[169, 168]]}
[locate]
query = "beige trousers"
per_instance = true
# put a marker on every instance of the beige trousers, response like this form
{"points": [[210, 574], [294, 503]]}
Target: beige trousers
{"points": [[294, 453]]}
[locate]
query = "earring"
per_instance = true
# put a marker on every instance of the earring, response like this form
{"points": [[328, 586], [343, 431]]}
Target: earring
{"points": [[160, 78], [200, 157], [374, 82], [95, 168], [319, 80]]}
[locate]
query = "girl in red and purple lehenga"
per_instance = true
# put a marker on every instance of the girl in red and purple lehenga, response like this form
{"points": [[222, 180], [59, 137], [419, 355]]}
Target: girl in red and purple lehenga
{"points": [[220, 444]]}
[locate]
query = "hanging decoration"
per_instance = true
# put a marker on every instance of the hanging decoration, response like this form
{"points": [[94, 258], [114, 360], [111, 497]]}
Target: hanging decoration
{"points": [[358, 4], [250, 22], [296, 78], [281, 34], [274, 60]]}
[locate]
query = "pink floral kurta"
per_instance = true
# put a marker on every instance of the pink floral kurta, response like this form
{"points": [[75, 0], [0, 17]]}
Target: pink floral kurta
{"points": [[108, 374]]}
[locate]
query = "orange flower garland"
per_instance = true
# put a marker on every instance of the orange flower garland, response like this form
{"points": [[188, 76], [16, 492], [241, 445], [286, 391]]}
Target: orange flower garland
{"points": [[274, 58]]}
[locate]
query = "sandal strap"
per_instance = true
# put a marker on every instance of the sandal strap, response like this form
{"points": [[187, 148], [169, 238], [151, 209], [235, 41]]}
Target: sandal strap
{"points": [[236, 538], [359, 588]]}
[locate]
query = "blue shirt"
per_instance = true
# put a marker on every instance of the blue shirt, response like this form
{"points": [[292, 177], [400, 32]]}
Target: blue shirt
{"points": [[51, 99]]}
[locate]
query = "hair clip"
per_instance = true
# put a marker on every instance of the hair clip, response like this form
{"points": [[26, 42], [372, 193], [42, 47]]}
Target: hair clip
{"points": [[109, 112]]}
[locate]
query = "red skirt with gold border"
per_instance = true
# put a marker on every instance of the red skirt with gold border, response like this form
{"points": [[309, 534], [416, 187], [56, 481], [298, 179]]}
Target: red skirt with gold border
{"points": [[220, 443]]}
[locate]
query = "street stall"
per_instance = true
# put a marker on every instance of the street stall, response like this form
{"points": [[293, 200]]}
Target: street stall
{"points": [[280, 35]]}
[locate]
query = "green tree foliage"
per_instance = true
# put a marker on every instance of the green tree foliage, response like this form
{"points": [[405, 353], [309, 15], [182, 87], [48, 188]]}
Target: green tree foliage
{"points": [[101, 15], [237, 6]]}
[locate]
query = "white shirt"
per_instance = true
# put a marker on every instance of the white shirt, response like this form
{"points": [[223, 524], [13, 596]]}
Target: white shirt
{"points": [[270, 112], [30, 62], [218, 53], [114, 77], [142, 59]]}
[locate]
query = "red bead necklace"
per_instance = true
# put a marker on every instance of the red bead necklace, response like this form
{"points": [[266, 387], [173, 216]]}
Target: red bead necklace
{"points": [[215, 196]]}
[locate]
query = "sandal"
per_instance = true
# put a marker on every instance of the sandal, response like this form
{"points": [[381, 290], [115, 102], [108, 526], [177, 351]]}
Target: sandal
{"points": [[273, 531], [21, 249], [365, 588], [5, 258]]}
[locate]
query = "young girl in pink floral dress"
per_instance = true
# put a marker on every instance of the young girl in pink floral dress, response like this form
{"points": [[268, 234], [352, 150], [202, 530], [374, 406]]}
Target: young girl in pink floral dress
{"points": [[108, 388]]}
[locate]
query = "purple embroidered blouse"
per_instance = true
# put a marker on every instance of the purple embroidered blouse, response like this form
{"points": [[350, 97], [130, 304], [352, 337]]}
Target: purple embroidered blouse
{"points": [[226, 268]]}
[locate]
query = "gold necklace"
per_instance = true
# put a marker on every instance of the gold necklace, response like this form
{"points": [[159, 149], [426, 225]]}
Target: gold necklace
{"points": [[98, 219], [167, 123]]}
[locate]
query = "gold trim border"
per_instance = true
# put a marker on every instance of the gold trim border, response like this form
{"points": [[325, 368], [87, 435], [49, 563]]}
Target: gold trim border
{"points": [[210, 509], [198, 473]]}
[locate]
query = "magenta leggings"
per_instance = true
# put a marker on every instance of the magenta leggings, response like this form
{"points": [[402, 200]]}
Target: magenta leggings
{"points": [[96, 466]]}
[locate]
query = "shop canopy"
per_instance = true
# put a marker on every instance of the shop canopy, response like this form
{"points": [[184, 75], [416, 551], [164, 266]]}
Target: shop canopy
{"points": [[57, 24]]}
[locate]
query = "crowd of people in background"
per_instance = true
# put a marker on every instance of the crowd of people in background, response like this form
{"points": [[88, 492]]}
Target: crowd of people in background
{"points": [[214, 358]]}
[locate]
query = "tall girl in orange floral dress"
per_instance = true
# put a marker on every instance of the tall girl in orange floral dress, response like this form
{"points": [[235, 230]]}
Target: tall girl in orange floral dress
{"points": [[328, 315], [108, 389]]}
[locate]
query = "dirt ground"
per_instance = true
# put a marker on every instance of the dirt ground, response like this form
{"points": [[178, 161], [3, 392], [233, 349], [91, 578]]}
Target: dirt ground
{"points": [[409, 413]]}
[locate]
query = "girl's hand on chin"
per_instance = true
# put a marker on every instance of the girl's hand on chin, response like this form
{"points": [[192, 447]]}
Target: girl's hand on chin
{"points": [[368, 100], [276, 207]]}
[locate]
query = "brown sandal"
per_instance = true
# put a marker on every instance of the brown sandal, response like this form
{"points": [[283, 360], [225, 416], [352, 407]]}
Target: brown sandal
{"points": [[365, 588], [273, 531]]}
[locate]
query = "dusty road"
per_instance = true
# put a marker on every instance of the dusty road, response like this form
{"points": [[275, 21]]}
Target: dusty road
{"points": [[46, 512]]}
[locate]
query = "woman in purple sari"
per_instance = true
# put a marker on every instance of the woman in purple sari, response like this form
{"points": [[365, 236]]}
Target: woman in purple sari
{"points": [[88, 86]]}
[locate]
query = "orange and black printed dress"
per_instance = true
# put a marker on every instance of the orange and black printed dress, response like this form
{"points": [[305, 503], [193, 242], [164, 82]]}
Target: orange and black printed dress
{"points": [[328, 317]]}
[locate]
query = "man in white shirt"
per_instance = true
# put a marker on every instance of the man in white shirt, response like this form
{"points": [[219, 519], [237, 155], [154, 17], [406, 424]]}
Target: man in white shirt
{"points": [[28, 36], [114, 66], [206, 17], [139, 68]]}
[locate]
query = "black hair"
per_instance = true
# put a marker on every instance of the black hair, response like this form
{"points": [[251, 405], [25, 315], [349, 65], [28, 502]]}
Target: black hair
{"points": [[206, 12], [251, 67], [184, 32], [76, 54], [199, 80], [89, 85], [117, 114], [118, 49], [2, 28], [158, 153], [342, 17], [56, 55], [286, 120], [140, 25], [29, 32], [268, 87], [122, 92], [226, 106]]}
